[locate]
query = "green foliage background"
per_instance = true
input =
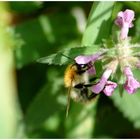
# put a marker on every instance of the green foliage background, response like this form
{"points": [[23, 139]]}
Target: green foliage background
{"points": [[45, 29]]}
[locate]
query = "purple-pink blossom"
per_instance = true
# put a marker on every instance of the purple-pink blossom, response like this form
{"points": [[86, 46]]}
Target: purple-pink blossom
{"points": [[81, 59], [91, 70], [103, 82], [124, 21], [109, 88], [131, 84], [99, 86]]}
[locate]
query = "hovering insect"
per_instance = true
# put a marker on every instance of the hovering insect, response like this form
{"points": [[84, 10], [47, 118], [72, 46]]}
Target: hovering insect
{"points": [[76, 79]]}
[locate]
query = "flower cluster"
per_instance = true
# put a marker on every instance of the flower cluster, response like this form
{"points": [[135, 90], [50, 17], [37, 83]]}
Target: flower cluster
{"points": [[123, 58]]}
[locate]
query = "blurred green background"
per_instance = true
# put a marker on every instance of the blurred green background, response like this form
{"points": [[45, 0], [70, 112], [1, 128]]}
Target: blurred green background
{"points": [[39, 29]]}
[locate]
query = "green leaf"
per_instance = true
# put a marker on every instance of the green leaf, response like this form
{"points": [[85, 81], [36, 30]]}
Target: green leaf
{"points": [[43, 36], [117, 7], [25, 7], [81, 116], [42, 108], [47, 102], [132, 5], [99, 23], [136, 38], [129, 105], [59, 59], [29, 77], [109, 121]]}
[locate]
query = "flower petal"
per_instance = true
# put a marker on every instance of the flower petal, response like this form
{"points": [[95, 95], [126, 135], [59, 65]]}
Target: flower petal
{"points": [[119, 22], [81, 59], [109, 88], [121, 14], [100, 86], [131, 83], [124, 32], [124, 21], [129, 16], [91, 70], [125, 17], [127, 71]]}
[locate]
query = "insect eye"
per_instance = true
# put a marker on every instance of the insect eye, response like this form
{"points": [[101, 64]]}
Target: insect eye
{"points": [[83, 66]]}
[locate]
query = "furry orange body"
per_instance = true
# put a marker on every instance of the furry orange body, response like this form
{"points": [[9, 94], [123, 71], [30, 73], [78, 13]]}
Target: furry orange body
{"points": [[69, 76], [76, 79]]}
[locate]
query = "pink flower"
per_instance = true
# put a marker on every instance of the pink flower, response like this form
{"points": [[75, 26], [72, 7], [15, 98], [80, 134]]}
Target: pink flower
{"points": [[124, 21], [100, 86], [131, 83], [88, 60], [91, 70], [81, 59], [109, 88]]}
